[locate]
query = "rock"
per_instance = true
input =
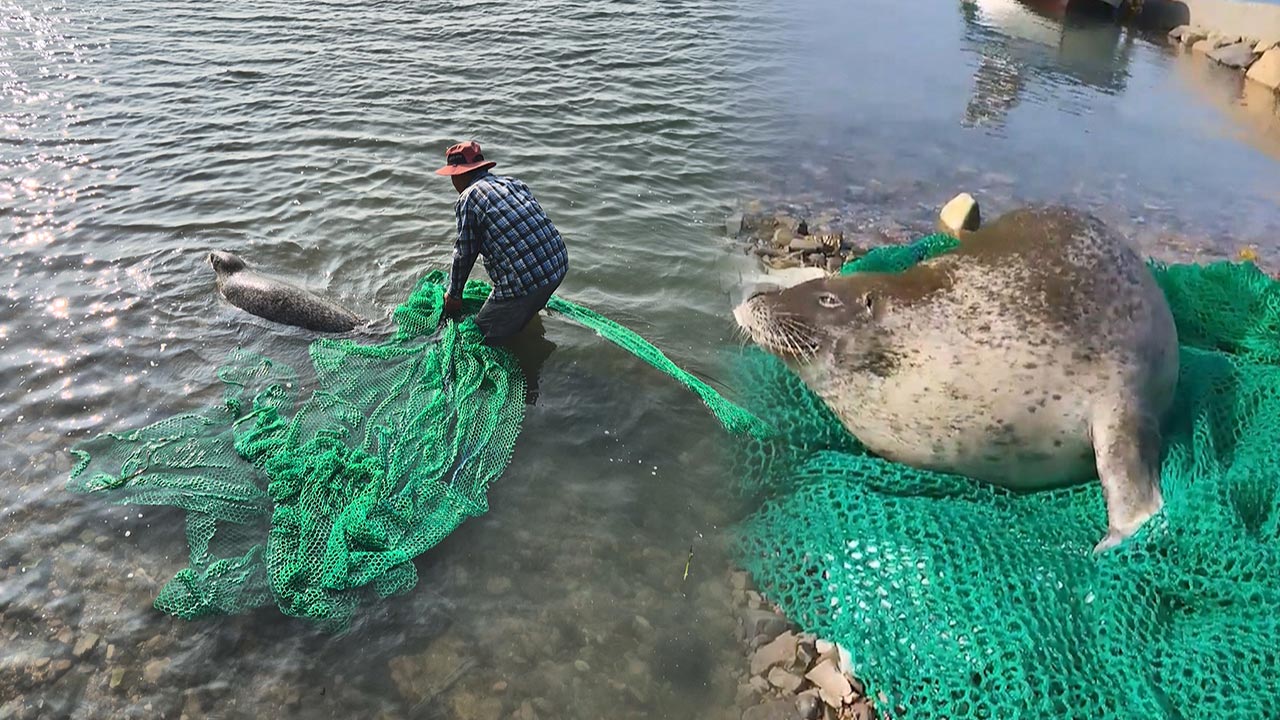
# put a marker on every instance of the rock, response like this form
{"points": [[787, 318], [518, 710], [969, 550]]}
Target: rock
{"points": [[62, 666], [783, 237], [111, 651], [1239, 55], [776, 710], [87, 642], [824, 646], [808, 705], [833, 686], [117, 677], [782, 651], [804, 244], [785, 680], [40, 662], [526, 712], [1193, 36], [806, 652], [642, 625], [762, 622], [816, 259], [740, 579], [961, 213], [581, 666], [1265, 45], [154, 669], [1176, 34], [834, 263], [500, 686], [1267, 69], [1203, 46], [469, 706], [759, 684], [65, 637]]}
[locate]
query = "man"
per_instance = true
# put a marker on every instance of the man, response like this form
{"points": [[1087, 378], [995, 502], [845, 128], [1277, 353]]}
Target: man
{"points": [[524, 255]]}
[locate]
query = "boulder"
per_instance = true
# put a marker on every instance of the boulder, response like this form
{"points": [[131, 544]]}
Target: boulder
{"points": [[1193, 36], [1239, 55], [1267, 69]]}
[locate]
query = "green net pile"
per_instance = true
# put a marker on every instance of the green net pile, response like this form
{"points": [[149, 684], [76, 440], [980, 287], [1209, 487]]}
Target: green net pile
{"points": [[320, 501], [958, 600]]}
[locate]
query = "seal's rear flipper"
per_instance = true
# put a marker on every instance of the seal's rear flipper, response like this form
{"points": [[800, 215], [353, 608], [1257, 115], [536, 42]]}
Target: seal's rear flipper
{"points": [[1126, 443]]}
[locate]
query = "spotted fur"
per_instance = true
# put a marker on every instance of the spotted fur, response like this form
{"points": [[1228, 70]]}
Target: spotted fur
{"points": [[1039, 353]]}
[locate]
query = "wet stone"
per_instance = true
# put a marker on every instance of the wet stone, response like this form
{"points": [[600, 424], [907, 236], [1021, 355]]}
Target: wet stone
{"points": [[1239, 55], [87, 642], [763, 622], [782, 651], [117, 678], [582, 666], [153, 670], [785, 680], [809, 705]]}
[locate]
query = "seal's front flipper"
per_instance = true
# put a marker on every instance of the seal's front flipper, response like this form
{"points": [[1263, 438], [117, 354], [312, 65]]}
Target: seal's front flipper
{"points": [[1126, 444]]}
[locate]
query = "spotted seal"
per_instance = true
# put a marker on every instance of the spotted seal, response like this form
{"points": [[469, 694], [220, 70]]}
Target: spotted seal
{"points": [[1040, 352], [277, 300]]}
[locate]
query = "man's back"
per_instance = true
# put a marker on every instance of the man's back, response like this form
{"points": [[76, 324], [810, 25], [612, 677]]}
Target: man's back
{"points": [[499, 218]]}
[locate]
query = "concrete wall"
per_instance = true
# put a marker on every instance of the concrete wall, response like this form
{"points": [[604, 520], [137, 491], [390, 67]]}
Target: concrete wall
{"points": [[1230, 17]]}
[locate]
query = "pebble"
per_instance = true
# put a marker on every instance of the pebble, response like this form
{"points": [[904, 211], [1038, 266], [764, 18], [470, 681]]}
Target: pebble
{"points": [[117, 677], [582, 665], [41, 662], [642, 625], [762, 622], [526, 712], [500, 686], [824, 646], [62, 666], [740, 579]]}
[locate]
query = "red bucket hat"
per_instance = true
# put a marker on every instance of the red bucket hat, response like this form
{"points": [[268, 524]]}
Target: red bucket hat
{"points": [[463, 158]]}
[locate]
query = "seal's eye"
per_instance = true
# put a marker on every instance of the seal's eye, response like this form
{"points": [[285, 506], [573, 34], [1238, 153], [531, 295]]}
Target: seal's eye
{"points": [[828, 300]]}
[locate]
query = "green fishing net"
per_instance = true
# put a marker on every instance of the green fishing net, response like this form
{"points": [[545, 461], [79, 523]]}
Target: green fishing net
{"points": [[958, 600], [319, 500]]}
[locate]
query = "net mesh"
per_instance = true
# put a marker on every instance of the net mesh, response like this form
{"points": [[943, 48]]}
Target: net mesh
{"points": [[320, 505], [958, 600], [954, 598]]}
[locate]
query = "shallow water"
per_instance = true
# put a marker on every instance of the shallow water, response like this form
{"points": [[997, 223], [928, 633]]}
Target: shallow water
{"points": [[303, 136]]}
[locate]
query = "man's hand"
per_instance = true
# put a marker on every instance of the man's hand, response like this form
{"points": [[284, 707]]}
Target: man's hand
{"points": [[452, 306]]}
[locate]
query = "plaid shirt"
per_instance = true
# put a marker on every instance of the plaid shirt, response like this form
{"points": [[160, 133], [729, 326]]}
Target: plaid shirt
{"points": [[499, 218]]}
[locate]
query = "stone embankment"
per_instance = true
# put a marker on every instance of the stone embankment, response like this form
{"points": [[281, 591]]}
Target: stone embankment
{"points": [[1259, 58]]}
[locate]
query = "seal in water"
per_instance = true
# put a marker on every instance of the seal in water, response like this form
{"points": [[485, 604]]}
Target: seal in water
{"points": [[277, 300], [1037, 353]]}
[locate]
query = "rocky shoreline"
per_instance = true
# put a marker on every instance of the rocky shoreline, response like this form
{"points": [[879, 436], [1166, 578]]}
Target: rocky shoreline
{"points": [[1258, 58], [792, 675]]}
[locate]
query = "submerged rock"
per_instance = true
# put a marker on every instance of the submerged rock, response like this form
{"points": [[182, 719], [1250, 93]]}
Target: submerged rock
{"points": [[775, 710], [782, 651]]}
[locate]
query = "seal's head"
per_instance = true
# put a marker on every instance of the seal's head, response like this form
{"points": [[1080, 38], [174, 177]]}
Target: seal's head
{"points": [[224, 263], [812, 319]]}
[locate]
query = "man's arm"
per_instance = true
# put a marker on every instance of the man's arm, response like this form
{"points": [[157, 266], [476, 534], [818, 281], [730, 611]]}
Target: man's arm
{"points": [[466, 249]]}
